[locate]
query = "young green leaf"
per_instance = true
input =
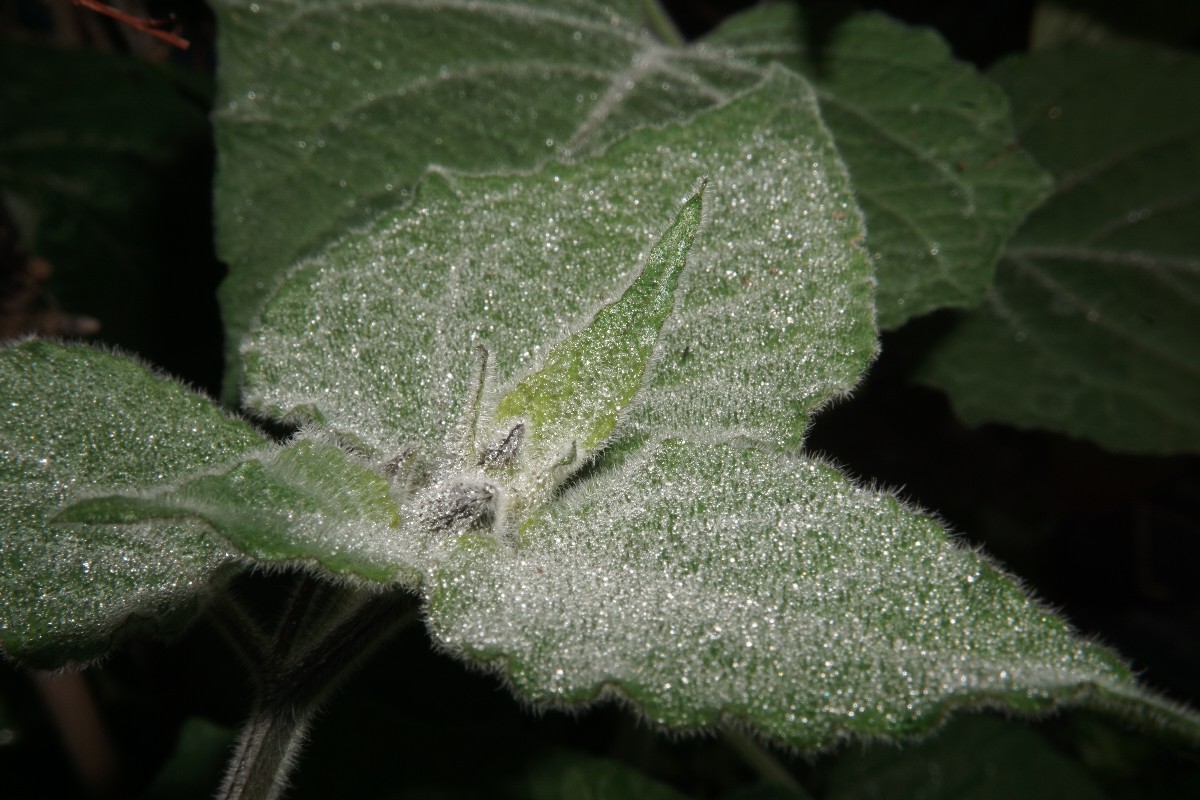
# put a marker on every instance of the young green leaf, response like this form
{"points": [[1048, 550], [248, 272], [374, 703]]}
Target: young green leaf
{"points": [[1092, 329], [75, 422], [386, 322], [375, 337], [588, 380], [474, 87]]}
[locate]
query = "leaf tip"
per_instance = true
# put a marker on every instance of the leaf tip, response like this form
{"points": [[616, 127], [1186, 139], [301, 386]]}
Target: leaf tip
{"points": [[694, 205]]}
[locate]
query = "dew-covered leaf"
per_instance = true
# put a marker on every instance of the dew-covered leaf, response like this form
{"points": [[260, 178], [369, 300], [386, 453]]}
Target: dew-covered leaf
{"points": [[693, 568], [329, 113], [711, 583], [1093, 328], [929, 144], [73, 422], [374, 338], [576, 397], [309, 500]]}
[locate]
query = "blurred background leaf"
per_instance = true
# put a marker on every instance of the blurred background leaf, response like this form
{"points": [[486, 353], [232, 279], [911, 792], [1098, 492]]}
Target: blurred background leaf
{"points": [[1093, 326], [197, 764]]}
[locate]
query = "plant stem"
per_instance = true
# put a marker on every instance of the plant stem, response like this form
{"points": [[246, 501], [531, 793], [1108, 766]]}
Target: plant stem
{"points": [[306, 661], [762, 762], [72, 706], [239, 630], [660, 22], [302, 605], [266, 753]]}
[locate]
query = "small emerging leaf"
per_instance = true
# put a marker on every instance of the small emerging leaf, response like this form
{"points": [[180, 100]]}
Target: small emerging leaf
{"points": [[589, 379]]}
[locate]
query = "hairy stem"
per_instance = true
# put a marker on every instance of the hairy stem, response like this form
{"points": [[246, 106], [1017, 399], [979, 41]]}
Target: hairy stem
{"points": [[266, 753], [239, 630], [304, 604], [309, 656]]}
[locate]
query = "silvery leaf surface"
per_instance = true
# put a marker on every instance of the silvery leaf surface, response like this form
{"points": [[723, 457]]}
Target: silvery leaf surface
{"points": [[696, 566], [289, 504], [715, 584], [375, 338]]}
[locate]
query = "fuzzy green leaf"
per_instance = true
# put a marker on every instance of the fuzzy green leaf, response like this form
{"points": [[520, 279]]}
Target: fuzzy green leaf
{"points": [[692, 568], [588, 380], [929, 144], [1093, 328], [328, 112], [75, 422], [711, 583]]}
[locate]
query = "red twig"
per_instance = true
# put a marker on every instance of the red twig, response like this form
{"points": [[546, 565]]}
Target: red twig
{"points": [[154, 27]]}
